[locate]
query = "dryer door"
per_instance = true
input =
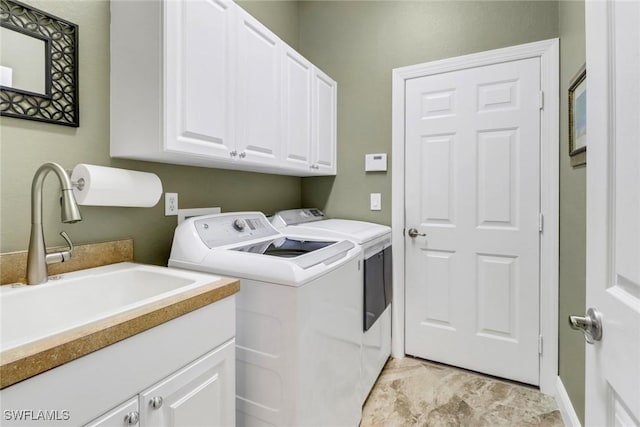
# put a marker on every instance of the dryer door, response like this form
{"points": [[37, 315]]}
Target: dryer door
{"points": [[374, 290]]}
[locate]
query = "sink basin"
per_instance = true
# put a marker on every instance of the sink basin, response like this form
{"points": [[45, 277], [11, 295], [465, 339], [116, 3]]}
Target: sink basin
{"points": [[31, 313]]}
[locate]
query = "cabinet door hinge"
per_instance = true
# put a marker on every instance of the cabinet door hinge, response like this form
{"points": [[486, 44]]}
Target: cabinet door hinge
{"points": [[541, 100], [540, 222], [539, 344]]}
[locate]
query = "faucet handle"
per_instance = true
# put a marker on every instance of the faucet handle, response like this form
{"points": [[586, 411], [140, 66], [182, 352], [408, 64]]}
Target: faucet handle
{"points": [[66, 238], [62, 256]]}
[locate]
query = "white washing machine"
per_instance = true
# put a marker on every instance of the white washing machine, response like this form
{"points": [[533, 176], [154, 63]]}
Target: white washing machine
{"points": [[376, 280], [298, 322]]}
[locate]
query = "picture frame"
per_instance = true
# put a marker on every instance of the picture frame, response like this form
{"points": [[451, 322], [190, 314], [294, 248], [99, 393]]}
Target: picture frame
{"points": [[578, 117], [59, 102]]}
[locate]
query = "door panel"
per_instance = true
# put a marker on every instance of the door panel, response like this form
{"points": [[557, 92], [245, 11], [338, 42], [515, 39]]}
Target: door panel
{"points": [[199, 77], [258, 90], [613, 211], [296, 109], [472, 186], [118, 416], [324, 122], [200, 394]]}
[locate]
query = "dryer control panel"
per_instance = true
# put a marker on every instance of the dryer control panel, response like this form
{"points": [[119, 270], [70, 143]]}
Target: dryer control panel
{"points": [[297, 216], [225, 229]]}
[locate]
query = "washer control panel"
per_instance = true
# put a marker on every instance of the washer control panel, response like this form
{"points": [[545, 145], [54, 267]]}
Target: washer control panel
{"points": [[224, 229]]}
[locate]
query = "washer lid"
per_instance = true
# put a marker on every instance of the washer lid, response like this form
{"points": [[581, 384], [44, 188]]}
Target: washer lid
{"points": [[358, 231]]}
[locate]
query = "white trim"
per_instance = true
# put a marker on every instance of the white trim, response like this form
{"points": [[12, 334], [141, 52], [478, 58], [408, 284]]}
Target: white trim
{"points": [[569, 416], [548, 52]]}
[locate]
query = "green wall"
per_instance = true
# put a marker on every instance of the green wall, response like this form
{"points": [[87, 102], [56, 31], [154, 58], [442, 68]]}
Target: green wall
{"points": [[280, 16], [24, 145], [572, 213], [358, 43]]}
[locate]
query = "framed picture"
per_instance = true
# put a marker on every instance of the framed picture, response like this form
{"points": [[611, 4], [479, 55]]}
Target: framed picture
{"points": [[578, 115]]}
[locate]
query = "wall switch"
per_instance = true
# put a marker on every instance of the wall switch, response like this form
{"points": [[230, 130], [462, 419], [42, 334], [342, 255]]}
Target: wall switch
{"points": [[376, 201], [170, 204]]}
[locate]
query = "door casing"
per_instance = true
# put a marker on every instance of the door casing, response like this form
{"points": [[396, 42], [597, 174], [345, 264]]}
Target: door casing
{"points": [[548, 52]]}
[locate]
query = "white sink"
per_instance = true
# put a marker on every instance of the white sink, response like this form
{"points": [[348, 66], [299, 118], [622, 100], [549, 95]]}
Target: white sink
{"points": [[31, 313]]}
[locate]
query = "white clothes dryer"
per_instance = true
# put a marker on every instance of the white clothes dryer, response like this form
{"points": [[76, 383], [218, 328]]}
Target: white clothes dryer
{"points": [[298, 327], [376, 281]]}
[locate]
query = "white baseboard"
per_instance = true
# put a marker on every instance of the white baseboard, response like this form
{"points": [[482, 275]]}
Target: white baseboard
{"points": [[569, 415]]}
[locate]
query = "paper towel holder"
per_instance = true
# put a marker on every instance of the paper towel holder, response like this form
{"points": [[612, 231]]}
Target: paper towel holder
{"points": [[90, 189], [79, 184]]}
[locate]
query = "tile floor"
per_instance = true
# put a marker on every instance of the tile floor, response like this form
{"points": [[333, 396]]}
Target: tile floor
{"points": [[414, 392]]}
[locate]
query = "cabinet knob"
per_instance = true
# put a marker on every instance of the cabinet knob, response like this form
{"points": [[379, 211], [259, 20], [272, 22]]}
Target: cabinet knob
{"points": [[156, 402], [233, 153], [132, 418], [243, 155]]}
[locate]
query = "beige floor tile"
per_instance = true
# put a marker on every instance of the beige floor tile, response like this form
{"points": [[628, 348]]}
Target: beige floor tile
{"points": [[413, 392]]}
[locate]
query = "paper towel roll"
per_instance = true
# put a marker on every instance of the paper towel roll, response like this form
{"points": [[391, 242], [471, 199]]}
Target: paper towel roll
{"points": [[104, 186]]}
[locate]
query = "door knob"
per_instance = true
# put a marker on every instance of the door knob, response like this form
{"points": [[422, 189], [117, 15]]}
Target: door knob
{"points": [[590, 325], [413, 233]]}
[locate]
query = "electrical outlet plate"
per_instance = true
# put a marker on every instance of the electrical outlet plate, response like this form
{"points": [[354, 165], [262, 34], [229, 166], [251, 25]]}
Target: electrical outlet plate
{"points": [[170, 204]]}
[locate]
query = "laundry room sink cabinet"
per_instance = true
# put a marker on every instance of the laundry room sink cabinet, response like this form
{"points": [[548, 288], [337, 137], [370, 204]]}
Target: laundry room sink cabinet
{"points": [[202, 82], [179, 373], [195, 395]]}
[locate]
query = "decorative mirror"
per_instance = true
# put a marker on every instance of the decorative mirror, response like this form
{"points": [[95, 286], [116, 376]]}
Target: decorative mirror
{"points": [[38, 65]]}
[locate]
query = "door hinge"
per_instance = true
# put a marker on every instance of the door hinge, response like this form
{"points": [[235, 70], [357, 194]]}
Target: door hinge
{"points": [[540, 222], [539, 344], [541, 100]]}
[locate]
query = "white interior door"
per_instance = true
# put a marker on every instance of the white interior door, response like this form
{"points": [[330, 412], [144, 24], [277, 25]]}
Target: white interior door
{"points": [[613, 211], [472, 183]]}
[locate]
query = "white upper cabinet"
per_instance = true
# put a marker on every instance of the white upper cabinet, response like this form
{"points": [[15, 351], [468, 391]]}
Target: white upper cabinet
{"points": [[202, 82], [199, 76], [258, 91], [297, 74], [324, 123]]}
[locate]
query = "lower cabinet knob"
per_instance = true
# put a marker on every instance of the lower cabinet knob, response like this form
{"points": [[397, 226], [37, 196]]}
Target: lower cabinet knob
{"points": [[156, 402], [132, 418]]}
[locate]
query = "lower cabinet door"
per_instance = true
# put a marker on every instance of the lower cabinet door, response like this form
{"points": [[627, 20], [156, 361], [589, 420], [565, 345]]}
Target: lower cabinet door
{"points": [[124, 415], [201, 394]]}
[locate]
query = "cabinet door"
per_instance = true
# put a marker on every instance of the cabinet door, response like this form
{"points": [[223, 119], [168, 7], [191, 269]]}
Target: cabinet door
{"points": [[324, 124], [297, 74], [201, 394], [199, 77], [258, 88], [124, 415]]}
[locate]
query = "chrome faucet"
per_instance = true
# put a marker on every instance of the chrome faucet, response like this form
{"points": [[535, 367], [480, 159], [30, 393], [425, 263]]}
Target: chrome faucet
{"points": [[38, 258]]}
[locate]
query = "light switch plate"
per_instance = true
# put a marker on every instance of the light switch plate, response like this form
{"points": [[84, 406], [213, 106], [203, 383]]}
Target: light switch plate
{"points": [[376, 201]]}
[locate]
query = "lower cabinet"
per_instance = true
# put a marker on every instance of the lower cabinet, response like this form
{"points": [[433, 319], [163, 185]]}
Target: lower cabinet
{"points": [[200, 394], [126, 414]]}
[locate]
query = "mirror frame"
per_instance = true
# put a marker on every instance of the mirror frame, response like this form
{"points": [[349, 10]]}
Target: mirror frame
{"points": [[59, 104]]}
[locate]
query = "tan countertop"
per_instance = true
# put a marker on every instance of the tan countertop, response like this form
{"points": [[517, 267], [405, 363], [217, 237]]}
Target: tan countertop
{"points": [[31, 359]]}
